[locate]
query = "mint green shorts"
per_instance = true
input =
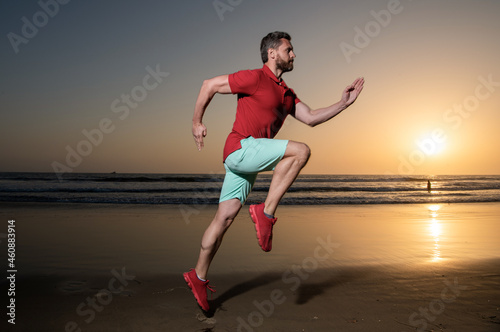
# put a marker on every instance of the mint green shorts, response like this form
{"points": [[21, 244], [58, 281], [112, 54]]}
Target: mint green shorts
{"points": [[243, 165]]}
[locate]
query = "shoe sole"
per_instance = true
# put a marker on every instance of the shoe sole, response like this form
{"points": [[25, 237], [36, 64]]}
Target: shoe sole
{"points": [[189, 283], [253, 216]]}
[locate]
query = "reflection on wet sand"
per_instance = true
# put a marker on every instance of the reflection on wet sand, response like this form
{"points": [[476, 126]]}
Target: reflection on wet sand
{"points": [[435, 230]]}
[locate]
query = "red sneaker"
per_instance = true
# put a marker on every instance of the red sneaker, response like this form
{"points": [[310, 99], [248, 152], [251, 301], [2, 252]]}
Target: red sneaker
{"points": [[263, 226], [199, 288]]}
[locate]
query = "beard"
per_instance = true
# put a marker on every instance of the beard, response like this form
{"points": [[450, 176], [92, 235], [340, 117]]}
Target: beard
{"points": [[283, 65]]}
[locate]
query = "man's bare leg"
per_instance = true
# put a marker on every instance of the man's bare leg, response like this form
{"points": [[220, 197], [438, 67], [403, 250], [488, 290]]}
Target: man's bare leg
{"points": [[212, 238], [295, 158]]}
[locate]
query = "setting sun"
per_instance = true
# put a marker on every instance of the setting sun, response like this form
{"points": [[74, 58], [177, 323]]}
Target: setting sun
{"points": [[433, 143]]}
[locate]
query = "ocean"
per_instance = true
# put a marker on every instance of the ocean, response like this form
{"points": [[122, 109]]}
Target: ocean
{"points": [[205, 188]]}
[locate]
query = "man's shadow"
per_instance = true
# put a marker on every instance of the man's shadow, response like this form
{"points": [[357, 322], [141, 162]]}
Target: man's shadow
{"points": [[305, 292], [239, 289]]}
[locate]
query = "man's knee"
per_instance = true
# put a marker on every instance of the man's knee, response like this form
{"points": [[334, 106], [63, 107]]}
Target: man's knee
{"points": [[304, 152], [299, 152], [307, 150], [227, 211], [223, 220]]}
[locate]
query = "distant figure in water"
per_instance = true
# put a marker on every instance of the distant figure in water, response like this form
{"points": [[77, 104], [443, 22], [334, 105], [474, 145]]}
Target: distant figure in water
{"points": [[429, 186]]}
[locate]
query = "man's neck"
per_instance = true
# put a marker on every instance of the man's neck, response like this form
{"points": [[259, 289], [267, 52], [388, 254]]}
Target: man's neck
{"points": [[277, 72]]}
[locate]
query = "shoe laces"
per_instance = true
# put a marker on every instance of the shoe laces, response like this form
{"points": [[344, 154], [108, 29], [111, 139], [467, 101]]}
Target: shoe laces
{"points": [[212, 290]]}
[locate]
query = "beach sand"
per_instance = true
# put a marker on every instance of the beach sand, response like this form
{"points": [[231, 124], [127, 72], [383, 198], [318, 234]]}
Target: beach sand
{"points": [[332, 268]]}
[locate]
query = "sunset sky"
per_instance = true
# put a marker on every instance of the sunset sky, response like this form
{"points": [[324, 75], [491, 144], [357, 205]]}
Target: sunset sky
{"points": [[431, 102]]}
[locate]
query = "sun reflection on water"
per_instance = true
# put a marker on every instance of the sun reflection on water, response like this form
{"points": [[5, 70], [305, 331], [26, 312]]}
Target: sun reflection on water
{"points": [[435, 231]]}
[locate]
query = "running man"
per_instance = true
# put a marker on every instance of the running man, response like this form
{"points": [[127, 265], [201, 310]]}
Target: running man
{"points": [[264, 101]]}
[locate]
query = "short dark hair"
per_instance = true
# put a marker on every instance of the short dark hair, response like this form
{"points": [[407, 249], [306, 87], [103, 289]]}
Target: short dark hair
{"points": [[272, 40]]}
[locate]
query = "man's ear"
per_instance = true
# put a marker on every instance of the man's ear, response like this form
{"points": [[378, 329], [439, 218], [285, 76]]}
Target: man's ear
{"points": [[271, 53]]}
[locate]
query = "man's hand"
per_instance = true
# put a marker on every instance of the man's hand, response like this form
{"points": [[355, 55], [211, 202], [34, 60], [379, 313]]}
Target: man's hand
{"points": [[199, 131], [315, 117], [218, 84], [352, 91]]}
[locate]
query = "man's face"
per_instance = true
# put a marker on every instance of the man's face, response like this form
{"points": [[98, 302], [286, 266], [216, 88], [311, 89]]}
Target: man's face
{"points": [[285, 56]]}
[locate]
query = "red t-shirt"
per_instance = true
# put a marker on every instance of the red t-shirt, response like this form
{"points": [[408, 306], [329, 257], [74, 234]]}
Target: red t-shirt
{"points": [[264, 102]]}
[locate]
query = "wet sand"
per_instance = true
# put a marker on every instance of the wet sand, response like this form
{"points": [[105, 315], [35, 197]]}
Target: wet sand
{"points": [[332, 268]]}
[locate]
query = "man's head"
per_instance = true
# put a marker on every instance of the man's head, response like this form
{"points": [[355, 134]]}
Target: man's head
{"points": [[276, 47]]}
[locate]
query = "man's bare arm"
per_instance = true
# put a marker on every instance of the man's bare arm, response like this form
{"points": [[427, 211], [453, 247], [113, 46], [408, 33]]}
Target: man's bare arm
{"points": [[315, 117], [218, 84]]}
